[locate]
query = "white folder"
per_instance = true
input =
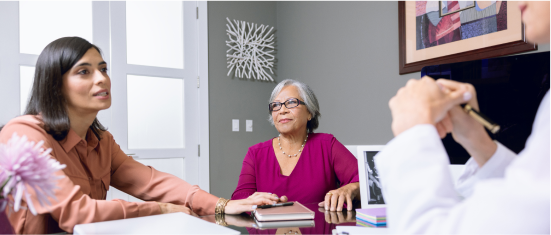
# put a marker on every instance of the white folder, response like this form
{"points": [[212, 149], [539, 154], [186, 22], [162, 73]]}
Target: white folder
{"points": [[174, 223]]}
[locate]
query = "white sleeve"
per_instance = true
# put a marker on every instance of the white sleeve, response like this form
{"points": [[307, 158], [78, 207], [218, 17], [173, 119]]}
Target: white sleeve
{"points": [[421, 197], [493, 168]]}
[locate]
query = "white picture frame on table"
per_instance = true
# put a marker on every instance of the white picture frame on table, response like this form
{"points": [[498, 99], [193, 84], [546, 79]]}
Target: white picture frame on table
{"points": [[359, 152], [366, 167]]}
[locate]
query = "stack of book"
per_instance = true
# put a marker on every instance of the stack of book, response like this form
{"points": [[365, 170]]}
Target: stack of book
{"points": [[373, 217], [295, 215]]}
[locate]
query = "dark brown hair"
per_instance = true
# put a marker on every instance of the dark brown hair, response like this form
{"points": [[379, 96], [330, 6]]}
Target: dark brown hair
{"points": [[47, 97]]}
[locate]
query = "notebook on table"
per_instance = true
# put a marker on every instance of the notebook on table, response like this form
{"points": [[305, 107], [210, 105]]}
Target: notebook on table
{"points": [[373, 216], [295, 212], [362, 223]]}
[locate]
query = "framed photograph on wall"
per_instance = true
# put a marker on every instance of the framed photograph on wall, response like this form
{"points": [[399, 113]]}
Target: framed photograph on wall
{"points": [[370, 185], [440, 32]]}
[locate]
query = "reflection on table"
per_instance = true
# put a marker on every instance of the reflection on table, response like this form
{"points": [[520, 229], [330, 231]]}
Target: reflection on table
{"points": [[324, 222]]}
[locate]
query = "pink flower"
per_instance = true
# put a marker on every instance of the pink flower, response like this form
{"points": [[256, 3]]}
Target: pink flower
{"points": [[25, 165]]}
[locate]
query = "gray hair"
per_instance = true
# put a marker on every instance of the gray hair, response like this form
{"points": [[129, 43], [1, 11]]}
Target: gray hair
{"points": [[307, 95]]}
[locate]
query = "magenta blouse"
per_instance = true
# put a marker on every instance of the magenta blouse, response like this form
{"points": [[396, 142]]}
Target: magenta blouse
{"points": [[324, 165]]}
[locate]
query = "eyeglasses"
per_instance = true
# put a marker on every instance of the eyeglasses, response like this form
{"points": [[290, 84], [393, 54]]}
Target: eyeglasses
{"points": [[290, 103]]}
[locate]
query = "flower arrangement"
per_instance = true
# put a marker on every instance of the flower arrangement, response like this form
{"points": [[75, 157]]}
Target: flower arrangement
{"points": [[25, 165]]}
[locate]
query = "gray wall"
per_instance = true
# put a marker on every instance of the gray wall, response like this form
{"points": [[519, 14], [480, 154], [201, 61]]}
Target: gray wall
{"points": [[346, 51], [234, 98]]}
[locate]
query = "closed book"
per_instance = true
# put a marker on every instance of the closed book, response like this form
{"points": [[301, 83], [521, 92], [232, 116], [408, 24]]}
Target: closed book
{"points": [[295, 212], [285, 224]]}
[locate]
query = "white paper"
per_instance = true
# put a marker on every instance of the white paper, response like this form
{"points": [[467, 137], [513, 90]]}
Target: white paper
{"points": [[353, 230]]}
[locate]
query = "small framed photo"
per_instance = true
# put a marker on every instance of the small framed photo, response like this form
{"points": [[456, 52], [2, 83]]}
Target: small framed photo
{"points": [[370, 185]]}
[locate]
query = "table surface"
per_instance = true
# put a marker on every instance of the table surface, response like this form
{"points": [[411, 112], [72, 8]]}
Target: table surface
{"points": [[324, 222]]}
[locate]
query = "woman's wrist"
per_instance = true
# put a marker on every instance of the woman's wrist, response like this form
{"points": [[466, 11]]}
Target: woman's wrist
{"points": [[162, 206], [481, 147], [356, 189], [221, 206], [355, 185], [400, 125]]}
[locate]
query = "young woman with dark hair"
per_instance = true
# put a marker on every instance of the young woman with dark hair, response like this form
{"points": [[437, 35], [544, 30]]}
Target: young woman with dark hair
{"points": [[47, 96], [71, 86]]}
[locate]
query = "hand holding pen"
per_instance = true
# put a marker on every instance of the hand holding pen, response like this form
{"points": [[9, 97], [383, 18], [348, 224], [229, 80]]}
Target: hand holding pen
{"points": [[466, 129], [438, 103], [421, 101]]}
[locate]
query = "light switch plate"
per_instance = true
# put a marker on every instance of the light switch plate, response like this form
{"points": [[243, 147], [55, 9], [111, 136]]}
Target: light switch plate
{"points": [[235, 125], [249, 125]]}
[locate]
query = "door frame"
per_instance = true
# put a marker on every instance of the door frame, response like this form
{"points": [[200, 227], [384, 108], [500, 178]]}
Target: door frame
{"points": [[203, 72]]}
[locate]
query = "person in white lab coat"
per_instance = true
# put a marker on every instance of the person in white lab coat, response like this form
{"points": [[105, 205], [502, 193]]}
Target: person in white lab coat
{"points": [[505, 192]]}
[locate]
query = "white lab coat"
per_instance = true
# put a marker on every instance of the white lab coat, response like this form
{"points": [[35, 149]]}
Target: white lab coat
{"points": [[509, 194], [494, 168]]}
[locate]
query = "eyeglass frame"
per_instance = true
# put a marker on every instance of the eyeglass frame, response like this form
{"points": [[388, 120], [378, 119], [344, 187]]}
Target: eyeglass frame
{"points": [[285, 104]]}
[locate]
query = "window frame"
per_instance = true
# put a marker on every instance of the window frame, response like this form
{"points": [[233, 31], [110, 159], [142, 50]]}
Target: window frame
{"points": [[106, 21], [9, 49], [120, 69]]}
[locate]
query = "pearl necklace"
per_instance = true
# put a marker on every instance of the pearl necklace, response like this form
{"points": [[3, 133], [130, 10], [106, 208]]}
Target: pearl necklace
{"points": [[301, 148]]}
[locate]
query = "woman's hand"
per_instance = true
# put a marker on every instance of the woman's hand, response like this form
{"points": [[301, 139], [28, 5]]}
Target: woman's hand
{"points": [[465, 129], [172, 208], [445, 126], [250, 204], [335, 199], [423, 102]]}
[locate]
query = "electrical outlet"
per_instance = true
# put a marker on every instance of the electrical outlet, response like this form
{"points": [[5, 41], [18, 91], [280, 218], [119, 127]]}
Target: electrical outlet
{"points": [[249, 125], [235, 125]]}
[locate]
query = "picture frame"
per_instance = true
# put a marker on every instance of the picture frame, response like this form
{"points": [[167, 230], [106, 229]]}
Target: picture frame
{"points": [[359, 151], [366, 167], [506, 42]]}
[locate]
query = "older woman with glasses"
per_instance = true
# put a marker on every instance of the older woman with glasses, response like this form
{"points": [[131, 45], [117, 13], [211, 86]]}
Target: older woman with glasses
{"points": [[305, 166]]}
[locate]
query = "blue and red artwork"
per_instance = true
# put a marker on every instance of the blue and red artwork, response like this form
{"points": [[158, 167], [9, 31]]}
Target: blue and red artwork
{"points": [[468, 21]]}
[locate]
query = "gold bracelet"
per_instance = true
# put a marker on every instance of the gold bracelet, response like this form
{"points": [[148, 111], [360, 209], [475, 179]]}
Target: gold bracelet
{"points": [[221, 206], [224, 206], [220, 219], [218, 204]]}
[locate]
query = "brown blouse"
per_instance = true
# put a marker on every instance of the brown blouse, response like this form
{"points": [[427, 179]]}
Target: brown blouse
{"points": [[93, 165]]}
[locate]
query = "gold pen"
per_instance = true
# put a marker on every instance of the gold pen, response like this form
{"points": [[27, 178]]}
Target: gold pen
{"points": [[481, 118], [478, 116]]}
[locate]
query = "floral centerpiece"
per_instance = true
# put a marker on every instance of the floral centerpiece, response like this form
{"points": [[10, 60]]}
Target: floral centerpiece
{"points": [[26, 166]]}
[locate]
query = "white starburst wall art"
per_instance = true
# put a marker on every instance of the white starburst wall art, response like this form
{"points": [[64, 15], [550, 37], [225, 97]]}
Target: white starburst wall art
{"points": [[251, 50]]}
